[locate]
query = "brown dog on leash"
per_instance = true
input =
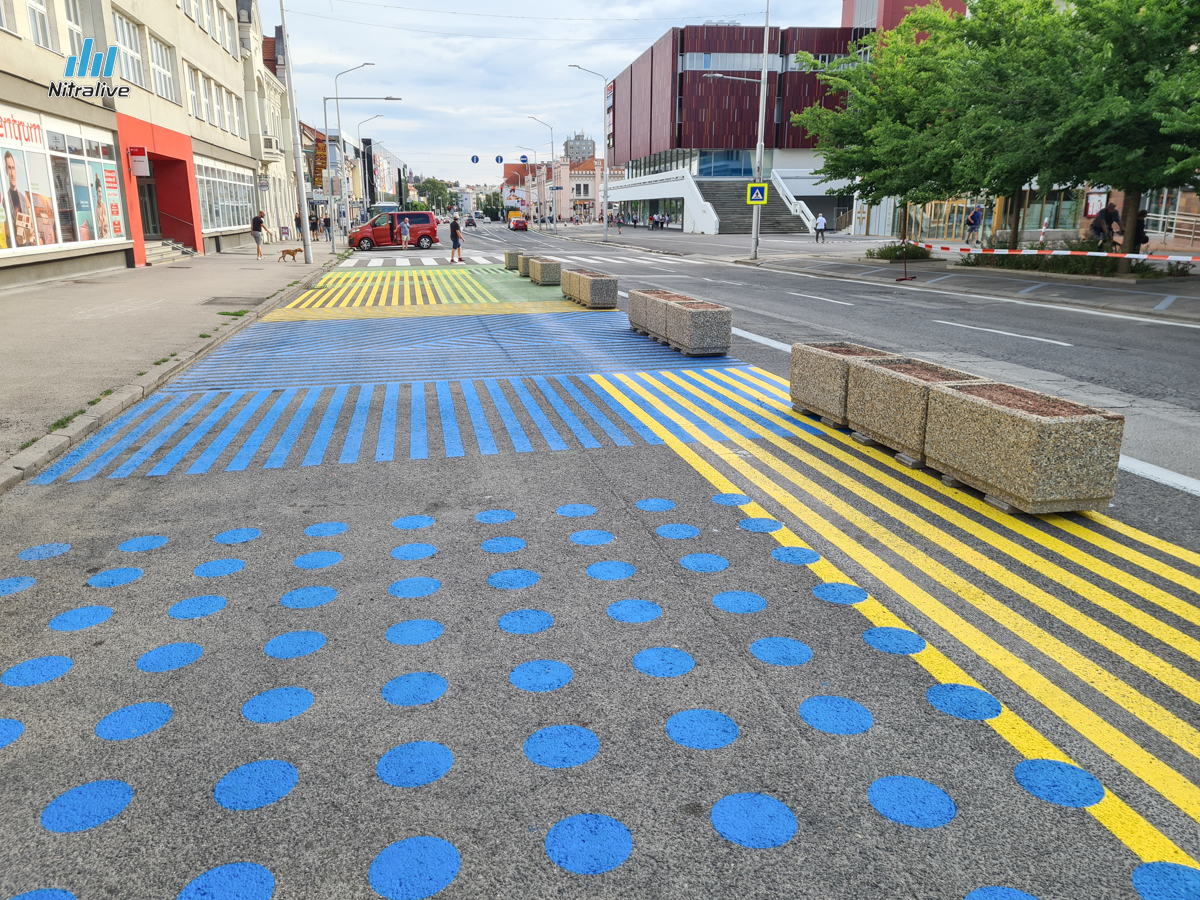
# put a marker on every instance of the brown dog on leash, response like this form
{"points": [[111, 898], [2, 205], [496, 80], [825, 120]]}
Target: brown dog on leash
{"points": [[291, 253]]}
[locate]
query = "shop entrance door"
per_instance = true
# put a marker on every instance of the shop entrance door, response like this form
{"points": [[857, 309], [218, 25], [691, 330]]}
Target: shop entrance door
{"points": [[148, 200]]}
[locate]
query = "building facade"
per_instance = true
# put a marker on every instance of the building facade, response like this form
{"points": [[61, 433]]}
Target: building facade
{"points": [[579, 148]]}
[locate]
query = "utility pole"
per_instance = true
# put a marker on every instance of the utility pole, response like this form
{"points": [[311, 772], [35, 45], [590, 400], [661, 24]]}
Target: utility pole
{"points": [[604, 138], [298, 152], [762, 115]]}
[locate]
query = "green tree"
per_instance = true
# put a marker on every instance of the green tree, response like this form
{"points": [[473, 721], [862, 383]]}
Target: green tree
{"points": [[436, 191]]}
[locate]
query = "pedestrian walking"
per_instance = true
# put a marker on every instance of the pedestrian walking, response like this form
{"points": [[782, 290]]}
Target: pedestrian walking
{"points": [[1140, 238], [620, 222], [404, 232], [974, 224], [820, 225], [257, 227], [328, 228], [313, 227], [299, 225], [456, 240]]}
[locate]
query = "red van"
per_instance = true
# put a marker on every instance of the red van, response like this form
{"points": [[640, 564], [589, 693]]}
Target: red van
{"points": [[384, 231]]}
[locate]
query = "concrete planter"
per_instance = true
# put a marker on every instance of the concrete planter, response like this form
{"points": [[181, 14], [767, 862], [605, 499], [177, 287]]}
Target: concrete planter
{"points": [[637, 311], [1023, 449], [887, 399], [510, 258], [699, 328], [545, 271], [595, 290], [523, 265], [566, 281], [656, 312], [820, 373]]}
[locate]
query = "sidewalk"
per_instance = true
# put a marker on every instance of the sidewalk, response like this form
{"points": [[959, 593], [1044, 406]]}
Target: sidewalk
{"points": [[65, 343], [721, 247]]}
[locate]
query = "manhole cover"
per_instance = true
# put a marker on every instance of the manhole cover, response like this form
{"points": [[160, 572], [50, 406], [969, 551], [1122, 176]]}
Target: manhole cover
{"points": [[233, 301]]}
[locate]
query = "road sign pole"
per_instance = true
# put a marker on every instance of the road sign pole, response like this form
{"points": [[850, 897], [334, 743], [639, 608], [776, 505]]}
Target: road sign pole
{"points": [[762, 113]]}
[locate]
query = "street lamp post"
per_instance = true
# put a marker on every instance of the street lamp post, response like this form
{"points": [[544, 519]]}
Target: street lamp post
{"points": [[358, 132], [604, 138], [553, 176], [538, 179], [342, 168], [325, 106], [297, 150]]}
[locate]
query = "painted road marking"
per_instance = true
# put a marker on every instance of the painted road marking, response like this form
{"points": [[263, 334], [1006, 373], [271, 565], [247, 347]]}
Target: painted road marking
{"points": [[759, 339], [1027, 337], [826, 299], [375, 262]]}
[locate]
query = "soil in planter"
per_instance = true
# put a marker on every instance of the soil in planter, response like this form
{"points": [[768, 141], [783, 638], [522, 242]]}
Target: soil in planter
{"points": [[852, 350], [1029, 401], [925, 373]]}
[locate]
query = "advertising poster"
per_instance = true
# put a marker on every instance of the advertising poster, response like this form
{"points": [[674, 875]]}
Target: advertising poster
{"points": [[80, 185], [103, 225], [41, 194], [112, 190], [60, 172], [5, 238], [17, 201]]}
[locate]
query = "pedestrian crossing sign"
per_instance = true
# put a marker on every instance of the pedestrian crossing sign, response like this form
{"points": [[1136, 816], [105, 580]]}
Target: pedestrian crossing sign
{"points": [[756, 194]]}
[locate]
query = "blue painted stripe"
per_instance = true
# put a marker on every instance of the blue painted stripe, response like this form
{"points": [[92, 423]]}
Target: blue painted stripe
{"points": [[152, 446], [553, 438], [756, 406], [512, 424], [673, 405], [385, 448], [358, 425], [709, 406], [567, 414], [617, 435], [244, 455], [483, 431], [123, 444], [451, 436], [418, 431], [283, 447], [96, 441], [180, 450], [320, 442], [204, 462], [624, 414], [663, 420]]}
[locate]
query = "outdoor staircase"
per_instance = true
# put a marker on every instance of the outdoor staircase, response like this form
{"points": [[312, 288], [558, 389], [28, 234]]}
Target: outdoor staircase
{"points": [[159, 253], [728, 197]]}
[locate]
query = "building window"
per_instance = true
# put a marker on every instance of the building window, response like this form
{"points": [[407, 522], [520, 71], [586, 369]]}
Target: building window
{"points": [[241, 116], [219, 98], [210, 18], [231, 43], [129, 50], [39, 24], [188, 9], [225, 196], [75, 26], [162, 68], [585, 190], [210, 114], [194, 92]]}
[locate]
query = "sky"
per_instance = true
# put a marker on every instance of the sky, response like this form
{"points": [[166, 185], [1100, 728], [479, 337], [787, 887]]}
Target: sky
{"points": [[471, 74]]}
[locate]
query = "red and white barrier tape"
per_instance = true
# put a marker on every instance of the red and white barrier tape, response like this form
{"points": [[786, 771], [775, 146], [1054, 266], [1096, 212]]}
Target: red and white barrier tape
{"points": [[1056, 253]]}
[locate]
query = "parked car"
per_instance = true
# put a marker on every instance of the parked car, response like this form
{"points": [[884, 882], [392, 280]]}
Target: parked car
{"points": [[384, 231], [518, 224]]}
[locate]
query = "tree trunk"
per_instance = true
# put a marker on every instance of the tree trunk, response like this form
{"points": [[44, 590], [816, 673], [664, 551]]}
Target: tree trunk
{"points": [[1014, 236], [1129, 211], [904, 221]]}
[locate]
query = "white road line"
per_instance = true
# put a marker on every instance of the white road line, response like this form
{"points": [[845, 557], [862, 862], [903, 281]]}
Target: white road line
{"points": [[428, 261], [400, 261], [1027, 337], [622, 294], [1161, 475], [374, 262], [826, 299], [758, 338], [346, 264], [478, 259]]}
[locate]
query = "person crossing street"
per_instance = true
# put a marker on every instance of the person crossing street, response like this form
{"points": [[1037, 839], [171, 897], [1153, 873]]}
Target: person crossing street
{"points": [[456, 240]]}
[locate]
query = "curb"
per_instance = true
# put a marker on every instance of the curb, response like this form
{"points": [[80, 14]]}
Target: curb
{"points": [[28, 462], [625, 246]]}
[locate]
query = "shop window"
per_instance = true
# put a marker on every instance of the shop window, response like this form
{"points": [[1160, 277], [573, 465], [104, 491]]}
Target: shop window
{"points": [[162, 67], [74, 145], [129, 50], [93, 148]]}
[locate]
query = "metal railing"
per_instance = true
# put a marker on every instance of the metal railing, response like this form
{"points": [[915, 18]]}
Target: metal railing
{"points": [[797, 207], [844, 220], [1174, 224]]}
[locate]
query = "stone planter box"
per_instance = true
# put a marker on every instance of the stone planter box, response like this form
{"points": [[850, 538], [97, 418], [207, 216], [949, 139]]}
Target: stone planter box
{"points": [[510, 258], [595, 290], [699, 328], [523, 265], [544, 271], [637, 311], [1024, 449], [887, 399], [654, 322], [820, 373]]}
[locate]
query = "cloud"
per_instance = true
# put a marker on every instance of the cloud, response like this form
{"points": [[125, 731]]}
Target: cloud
{"points": [[471, 74]]}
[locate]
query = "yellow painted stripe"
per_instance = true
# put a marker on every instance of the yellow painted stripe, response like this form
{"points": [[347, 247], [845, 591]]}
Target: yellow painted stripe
{"points": [[1142, 838], [417, 311], [1148, 539], [472, 290], [407, 290], [447, 288], [1125, 552]]}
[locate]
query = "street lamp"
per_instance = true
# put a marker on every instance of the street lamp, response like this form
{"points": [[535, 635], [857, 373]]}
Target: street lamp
{"points": [[538, 213], [342, 138], [358, 132], [553, 176], [325, 106], [604, 138]]}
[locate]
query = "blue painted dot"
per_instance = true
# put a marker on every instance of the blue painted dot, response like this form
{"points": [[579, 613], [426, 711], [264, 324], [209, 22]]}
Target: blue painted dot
{"points": [[218, 567], [576, 511], [78, 619], [414, 689], [635, 611], [235, 881], [731, 499], [169, 657], [10, 730], [502, 545], [836, 715], [277, 705], [46, 894], [654, 504], [16, 585], [142, 544], [589, 844], [835, 592], [704, 562], [781, 651], [591, 538], [256, 784], [561, 746], [495, 516], [414, 551], [525, 621], [753, 820], [414, 764], [413, 523], [1166, 881], [414, 631], [294, 644], [739, 602], [1059, 783], [43, 551], [702, 729], [911, 801], [963, 701], [611, 570], [663, 662], [308, 597], [197, 607], [320, 559], [676, 531], [326, 529], [899, 641], [414, 868], [114, 577], [86, 806], [998, 893], [513, 579], [413, 588], [760, 525], [134, 721], [795, 556], [237, 536], [540, 675], [36, 671]]}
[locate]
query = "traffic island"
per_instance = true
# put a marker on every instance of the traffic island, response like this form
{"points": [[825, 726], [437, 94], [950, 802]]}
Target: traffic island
{"points": [[1024, 450], [544, 271], [523, 265], [820, 374], [510, 258], [595, 290], [887, 400], [699, 328]]}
